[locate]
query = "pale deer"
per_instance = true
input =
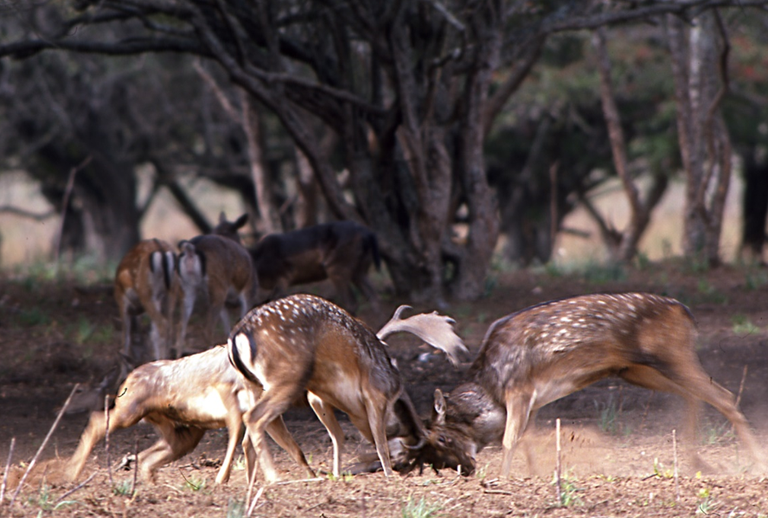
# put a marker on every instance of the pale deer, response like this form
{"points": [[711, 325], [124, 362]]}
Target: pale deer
{"points": [[145, 281], [540, 354], [341, 252], [183, 398], [218, 271], [305, 343]]}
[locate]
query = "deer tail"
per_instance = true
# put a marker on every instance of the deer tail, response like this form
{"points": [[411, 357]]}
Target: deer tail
{"points": [[241, 350]]}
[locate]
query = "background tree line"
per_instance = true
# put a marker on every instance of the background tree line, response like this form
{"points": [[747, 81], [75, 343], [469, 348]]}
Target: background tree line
{"points": [[439, 124]]}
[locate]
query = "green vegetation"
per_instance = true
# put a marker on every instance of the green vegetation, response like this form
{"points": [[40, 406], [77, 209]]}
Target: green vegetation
{"points": [[420, 509], [742, 325], [569, 492], [123, 488]]}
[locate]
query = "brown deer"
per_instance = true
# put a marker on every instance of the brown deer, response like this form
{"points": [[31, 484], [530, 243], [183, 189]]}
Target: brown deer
{"points": [[230, 229], [219, 271], [305, 343], [145, 282], [342, 252], [540, 354], [183, 398]]}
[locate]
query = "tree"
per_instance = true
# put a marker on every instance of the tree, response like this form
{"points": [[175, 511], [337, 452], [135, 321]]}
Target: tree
{"points": [[409, 87]]}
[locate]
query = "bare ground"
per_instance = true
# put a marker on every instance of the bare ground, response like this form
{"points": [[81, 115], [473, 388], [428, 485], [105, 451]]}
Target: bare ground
{"points": [[618, 455]]}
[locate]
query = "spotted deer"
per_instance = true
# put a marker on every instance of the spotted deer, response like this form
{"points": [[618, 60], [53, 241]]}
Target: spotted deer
{"points": [[305, 343], [540, 354], [341, 251], [145, 282], [218, 271], [184, 398]]}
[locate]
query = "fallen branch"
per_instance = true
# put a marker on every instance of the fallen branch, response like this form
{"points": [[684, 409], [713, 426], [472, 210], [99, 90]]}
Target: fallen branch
{"points": [[79, 487]]}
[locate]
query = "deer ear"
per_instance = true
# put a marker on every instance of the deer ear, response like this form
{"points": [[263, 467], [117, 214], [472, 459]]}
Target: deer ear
{"points": [[438, 416], [241, 221]]}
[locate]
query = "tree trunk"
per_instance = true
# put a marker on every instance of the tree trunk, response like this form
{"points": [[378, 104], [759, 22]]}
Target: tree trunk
{"points": [[754, 207], [700, 81]]}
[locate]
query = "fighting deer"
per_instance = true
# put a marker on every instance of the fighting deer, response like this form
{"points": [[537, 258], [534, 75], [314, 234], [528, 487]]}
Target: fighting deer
{"points": [[220, 270], [305, 343], [145, 282], [183, 398], [540, 354], [342, 252]]}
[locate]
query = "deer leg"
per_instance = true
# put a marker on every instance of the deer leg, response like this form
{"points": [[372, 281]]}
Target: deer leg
{"points": [[94, 432], [377, 412], [235, 432], [324, 412], [519, 407], [269, 407], [127, 327], [187, 307], [695, 386], [176, 442], [277, 430], [650, 378]]}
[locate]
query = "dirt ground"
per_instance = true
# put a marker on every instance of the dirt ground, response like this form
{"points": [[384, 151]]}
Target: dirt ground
{"points": [[617, 459]]}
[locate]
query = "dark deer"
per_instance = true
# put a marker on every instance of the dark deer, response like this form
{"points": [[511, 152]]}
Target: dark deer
{"points": [[145, 282], [305, 343], [342, 252], [540, 354], [219, 271], [184, 398]]}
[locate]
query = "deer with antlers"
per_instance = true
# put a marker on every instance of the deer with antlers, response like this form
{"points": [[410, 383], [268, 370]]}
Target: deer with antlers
{"points": [[183, 398], [145, 282], [305, 343], [540, 354]]}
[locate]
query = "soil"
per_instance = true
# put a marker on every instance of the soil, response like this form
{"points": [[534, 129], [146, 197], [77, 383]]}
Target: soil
{"points": [[618, 442]]}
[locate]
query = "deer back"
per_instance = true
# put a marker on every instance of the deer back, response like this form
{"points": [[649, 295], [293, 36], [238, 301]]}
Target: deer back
{"points": [[317, 344], [222, 261]]}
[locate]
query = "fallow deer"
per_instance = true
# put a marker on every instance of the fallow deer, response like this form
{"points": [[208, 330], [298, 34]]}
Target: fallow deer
{"points": [[183, 398], [341, 251], [540, 354], [230, 229], [145, 282], [218, 270], [305, 343]]}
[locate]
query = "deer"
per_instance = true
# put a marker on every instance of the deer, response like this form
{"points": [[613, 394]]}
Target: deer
{"points": [[220, 271], [181, 399], [340, 251], [184, 398], [304, 343], [145, 282], [540, 354]]}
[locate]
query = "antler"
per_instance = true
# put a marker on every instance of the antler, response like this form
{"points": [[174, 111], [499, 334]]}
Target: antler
{"points": [[436, 330]]}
